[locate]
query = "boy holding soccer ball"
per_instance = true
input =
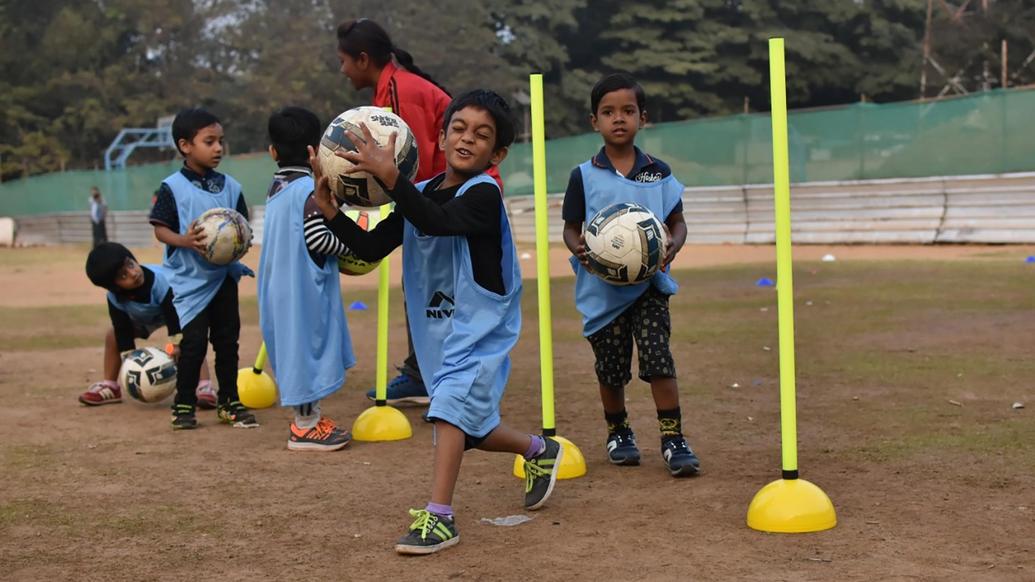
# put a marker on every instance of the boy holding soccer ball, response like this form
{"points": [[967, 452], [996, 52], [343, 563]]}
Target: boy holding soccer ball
{"points": [[140, 301], [463, 289], [615, 316], [300, 308], [205, 294]]}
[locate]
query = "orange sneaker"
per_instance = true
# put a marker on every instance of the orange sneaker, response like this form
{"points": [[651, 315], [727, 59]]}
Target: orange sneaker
{"points": [[325, 436]]}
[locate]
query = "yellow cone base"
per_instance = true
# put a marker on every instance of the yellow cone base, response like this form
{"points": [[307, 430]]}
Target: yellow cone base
{"points": [[573, 464], [791, 506], [381, 423], [256, 390]]}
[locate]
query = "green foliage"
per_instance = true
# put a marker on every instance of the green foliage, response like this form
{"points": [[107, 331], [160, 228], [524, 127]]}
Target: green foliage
{"points": [[73, 74]]}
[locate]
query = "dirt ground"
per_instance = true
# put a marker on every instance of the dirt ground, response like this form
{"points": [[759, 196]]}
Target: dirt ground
{"points": [[909, 362]]}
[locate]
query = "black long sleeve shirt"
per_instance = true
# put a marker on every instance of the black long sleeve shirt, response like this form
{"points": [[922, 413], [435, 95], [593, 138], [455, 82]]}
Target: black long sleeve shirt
{"points": [[437, 212]]}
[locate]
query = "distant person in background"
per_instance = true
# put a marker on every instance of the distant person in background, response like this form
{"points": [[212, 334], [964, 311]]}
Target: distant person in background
{"points": [[98, 214]]}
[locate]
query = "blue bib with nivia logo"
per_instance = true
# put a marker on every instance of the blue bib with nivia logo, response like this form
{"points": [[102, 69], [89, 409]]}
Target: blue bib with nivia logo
{"points": [[598, 301], [462, 332], [300, 308]]}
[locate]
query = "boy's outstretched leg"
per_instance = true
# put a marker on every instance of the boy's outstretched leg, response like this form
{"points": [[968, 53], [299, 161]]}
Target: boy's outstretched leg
{"points": [[542, 458], [107, 391], [433, 528], [679, 457]]}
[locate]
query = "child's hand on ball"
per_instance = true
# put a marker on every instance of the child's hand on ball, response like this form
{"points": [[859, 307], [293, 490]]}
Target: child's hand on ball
{"points": [[196, 238], [322, 194], [581, 253], [670, 249], [369, 157], [670, 254]]}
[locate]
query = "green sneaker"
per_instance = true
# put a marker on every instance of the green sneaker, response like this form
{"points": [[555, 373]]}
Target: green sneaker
{"points": [[183, 417], [540, 474], [236, 415], [429, 533]]}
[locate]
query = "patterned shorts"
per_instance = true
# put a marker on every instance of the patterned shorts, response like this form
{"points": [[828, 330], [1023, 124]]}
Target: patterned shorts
{"points": [[647, 322]]}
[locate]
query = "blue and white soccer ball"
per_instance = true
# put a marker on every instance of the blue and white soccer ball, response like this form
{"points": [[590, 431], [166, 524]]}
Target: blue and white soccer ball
{"points": [[148, 375], [626, 244]]}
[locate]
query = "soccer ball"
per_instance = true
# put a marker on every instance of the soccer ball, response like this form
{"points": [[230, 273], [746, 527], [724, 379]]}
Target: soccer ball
{"points": [[350, 264], [626, 244], [227, 235], [359, 188], [148, 375]]}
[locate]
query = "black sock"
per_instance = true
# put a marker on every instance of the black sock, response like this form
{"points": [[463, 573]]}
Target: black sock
{"points": [[670, 422], [616, 421]]}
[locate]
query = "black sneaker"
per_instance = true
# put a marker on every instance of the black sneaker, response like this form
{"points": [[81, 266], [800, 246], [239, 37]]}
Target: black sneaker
{"points": [[679, 457], [236, 415], [541, 474], [183, 417], [621, 447], [429, 533]]}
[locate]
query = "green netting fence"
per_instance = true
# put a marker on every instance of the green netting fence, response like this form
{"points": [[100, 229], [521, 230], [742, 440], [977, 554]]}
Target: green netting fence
{"points": [[987, 133]]}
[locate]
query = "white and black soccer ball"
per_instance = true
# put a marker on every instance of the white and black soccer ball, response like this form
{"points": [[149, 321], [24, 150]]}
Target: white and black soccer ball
{"points": [[359, 188], [148, 375], [228, 236], [626, 244]]}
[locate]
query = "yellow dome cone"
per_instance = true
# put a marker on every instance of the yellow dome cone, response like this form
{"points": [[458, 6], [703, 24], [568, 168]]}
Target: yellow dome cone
{"points": [[791, 506], [255, 388], [573, 464], [381, 423]]}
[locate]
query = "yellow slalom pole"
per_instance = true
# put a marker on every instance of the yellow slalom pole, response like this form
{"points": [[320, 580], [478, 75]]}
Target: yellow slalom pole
{"points": [[542, 253], [260, 360], [788, 505], [784, 275], [382, 422], [573, 464], [383, 272]]}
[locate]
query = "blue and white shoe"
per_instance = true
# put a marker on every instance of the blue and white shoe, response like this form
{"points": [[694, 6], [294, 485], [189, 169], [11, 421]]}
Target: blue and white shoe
{"points": [[621, 448], [679, 457], [404, 389]]}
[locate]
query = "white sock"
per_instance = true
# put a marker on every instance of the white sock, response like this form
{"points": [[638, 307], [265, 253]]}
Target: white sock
{"points": [[307, 415]]}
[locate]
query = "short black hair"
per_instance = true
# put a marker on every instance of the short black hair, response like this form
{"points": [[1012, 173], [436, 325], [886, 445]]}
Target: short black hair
{"points": [[104, 261], [491, 102], [292, 130], [616, 82], [188, 123]]}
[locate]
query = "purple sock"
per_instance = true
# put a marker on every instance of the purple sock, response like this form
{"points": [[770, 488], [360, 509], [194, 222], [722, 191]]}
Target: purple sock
{"points": [[440, 509], [536, 447]]}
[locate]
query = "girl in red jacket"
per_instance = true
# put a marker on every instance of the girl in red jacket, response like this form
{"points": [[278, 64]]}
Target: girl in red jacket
{"points": [[370, 59]]}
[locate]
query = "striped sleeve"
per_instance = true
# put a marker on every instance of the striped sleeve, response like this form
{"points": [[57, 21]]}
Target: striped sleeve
{"points": [[318, 238]]}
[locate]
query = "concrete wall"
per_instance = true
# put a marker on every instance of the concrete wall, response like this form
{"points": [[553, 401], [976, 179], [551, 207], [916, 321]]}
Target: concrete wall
{"points": [[970, 209]]}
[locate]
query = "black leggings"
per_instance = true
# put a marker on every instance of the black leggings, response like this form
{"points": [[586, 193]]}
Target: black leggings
{"points": [[219, 322]]}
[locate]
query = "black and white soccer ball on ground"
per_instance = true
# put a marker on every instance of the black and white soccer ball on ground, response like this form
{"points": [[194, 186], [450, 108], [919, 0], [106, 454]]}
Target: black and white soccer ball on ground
{"points": [[625, 243], [359, 188], [148, 375]]}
